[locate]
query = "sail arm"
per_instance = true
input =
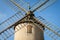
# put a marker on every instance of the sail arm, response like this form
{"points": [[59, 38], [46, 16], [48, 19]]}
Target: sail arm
{"points": [[40, 5], [18, 6]]}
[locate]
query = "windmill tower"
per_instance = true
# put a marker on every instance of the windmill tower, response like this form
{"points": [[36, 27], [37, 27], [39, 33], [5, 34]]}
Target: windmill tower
{"points": [[28, 27], [30, 31]]}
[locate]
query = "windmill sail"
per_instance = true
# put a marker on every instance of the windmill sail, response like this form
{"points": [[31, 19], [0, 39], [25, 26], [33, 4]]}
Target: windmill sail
{"points": [[13, 4], [43, 5], [18, 6], [12, 19], [10, 23], [52, 30]]}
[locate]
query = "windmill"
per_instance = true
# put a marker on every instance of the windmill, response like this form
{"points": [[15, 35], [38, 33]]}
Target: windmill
{"points": [[35, 27]]}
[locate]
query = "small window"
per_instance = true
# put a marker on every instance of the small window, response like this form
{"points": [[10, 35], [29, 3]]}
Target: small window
{"points": [[29, 29]]}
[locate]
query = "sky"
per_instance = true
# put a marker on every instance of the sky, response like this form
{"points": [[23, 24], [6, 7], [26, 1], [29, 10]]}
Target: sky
{"points": [[51, 14]]}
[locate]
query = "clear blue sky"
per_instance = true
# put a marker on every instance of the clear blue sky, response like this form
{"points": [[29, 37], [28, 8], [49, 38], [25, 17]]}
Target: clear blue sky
{"points": [[51, 14]]}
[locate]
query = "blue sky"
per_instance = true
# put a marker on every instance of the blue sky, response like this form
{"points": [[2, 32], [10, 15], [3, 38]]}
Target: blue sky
{"points": [[51, 14]]}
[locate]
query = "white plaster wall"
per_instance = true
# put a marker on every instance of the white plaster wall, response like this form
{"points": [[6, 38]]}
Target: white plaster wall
{"points": [[22, 34]]}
